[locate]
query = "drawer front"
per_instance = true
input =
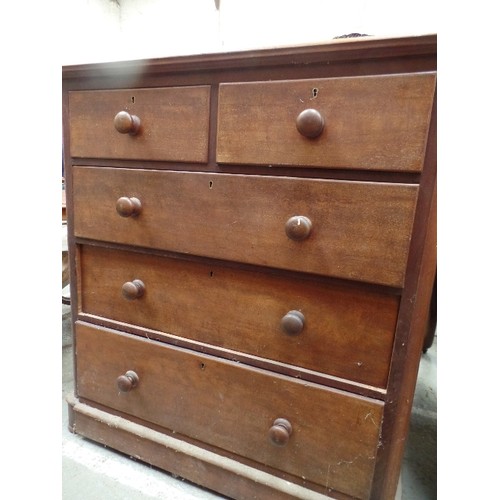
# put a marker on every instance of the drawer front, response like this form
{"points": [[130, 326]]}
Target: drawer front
{"points": [[356, 230], [342, 332], [173, 124], [334, 436], [369, 123]]}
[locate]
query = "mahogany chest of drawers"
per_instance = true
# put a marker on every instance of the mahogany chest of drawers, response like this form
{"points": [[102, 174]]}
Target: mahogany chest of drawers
{"points": [[252, 246]]}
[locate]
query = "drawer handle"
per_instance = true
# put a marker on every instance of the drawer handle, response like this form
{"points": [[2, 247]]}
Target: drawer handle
{"points": [[128, 381], [126, 123], [310, 123], [298, 228], [292, 322], [128, 207], [132, 290], [280, 432]]}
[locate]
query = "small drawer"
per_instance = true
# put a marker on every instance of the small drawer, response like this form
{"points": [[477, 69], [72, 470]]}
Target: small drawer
{"points": [[335, 330], [322, 435], [169, 124], [353, 230], [367, 123]]}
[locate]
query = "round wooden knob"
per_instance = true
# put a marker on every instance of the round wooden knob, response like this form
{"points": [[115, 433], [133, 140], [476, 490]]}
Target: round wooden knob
{"points": [[127, 123], [128, 381], [133, 289], [298, 228], [293, 322], [310, 123], [280, 432], [128, 207]]}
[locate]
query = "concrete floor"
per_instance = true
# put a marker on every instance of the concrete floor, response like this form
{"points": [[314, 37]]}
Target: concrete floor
{"points": [[92, 471]]}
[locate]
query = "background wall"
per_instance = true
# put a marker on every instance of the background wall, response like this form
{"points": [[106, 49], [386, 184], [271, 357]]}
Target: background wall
{"points": [[103, 30]]}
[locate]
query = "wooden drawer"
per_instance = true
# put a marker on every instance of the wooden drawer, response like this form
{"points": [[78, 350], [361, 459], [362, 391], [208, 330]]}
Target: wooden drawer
{"points": [[173, 124], [334, 435], [360, 230], [370, 122], [344, 332]]}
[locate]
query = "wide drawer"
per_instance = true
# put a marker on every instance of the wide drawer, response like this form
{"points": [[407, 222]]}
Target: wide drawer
{"points": [[173, 124], [353, 230], [333, 438], [370, 122], [335, 330]]}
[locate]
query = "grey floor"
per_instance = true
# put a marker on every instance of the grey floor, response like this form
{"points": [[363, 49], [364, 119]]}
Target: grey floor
{"points": [[91, 471]]}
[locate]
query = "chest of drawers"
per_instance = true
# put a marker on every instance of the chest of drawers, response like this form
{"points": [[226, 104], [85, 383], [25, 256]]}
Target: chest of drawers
{"points": [[252, 248]]}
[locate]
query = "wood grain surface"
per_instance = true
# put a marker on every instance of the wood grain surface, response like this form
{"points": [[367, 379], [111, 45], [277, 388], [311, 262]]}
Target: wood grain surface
{"points": [[174, 124], [371, 123], [347, 333], [334, 438], [361, 231]]}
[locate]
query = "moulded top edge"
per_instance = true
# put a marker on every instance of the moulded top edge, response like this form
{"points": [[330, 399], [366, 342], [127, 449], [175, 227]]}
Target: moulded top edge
{"points": [[335, 50]]}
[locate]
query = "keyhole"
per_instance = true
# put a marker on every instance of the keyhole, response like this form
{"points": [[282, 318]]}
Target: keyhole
{"points": [[210, 184], [315, 93], [132, 99]]}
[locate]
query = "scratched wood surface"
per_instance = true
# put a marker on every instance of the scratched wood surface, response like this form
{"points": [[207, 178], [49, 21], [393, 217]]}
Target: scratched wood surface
{"points": [[334, 435]]}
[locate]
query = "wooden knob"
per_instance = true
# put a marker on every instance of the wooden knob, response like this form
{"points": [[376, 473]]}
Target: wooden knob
{"points": [[280, 432], [127, 123], [128, 207], [293, 322], [133, 289], [298, 228], [128, 381], [310, 123]]}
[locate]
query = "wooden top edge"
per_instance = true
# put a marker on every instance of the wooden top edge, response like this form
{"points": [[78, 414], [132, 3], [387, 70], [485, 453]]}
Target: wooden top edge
{"points": [[335, 50]]}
